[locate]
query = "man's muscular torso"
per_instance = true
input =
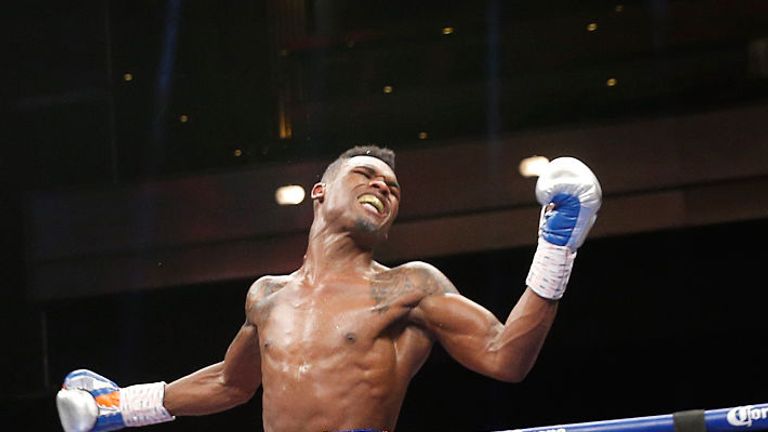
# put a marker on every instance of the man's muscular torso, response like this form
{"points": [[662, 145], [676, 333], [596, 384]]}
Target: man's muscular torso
{"points": [[340, 353]]}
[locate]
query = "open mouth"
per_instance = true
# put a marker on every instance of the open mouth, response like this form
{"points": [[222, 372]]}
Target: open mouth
{"points": [[373, 202]]}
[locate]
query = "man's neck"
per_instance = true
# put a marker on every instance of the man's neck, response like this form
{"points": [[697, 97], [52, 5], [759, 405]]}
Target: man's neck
{"points": [[332, 254]]}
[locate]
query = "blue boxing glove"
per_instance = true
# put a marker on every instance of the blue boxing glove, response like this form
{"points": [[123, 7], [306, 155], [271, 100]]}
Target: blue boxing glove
{"points": [[571, 196], [88, 402]]}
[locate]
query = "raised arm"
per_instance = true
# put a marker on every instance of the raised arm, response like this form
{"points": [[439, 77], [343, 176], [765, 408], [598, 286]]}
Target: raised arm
{"points": [[571, 196], [89, 402]]}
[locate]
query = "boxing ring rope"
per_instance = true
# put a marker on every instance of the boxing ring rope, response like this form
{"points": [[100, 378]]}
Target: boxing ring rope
{"points": [[745, 417]]}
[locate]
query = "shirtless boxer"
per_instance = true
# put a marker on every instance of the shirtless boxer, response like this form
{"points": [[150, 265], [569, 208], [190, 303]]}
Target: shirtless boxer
{"points": [[335, 344]]}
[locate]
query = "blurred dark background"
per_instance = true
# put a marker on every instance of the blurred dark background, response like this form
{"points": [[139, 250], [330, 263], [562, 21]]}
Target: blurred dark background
{"points": [[142, 143]]}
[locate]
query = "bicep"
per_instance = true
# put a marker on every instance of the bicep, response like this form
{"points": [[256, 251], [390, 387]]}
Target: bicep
{"points": [[242, 362], [219, 386], [465, 329]]}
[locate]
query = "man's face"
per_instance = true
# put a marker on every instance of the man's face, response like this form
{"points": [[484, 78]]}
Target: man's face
{"points": [[363, 195]]}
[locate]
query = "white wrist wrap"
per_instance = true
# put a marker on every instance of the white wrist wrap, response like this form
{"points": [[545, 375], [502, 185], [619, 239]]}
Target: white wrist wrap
{"points": [[142, 404], [550, 270]]}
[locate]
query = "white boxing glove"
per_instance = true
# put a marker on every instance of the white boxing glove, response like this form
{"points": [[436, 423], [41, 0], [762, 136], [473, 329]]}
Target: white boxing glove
{"points": [[88, 402], [571, 196]]}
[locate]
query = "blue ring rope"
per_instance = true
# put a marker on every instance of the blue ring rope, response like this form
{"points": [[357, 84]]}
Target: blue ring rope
{"points": [[740, 418]]}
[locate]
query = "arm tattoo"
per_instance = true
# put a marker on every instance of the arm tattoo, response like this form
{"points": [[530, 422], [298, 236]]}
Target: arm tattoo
{"points": [[434, 285]]}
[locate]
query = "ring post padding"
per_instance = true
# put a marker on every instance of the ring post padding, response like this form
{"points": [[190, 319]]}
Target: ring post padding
{"points": [[740, 418], [690, 421]]}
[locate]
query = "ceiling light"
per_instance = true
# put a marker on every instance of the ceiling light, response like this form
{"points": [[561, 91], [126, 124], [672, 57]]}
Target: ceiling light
{"points": [[127, 77], [611, 82], [591, 27], [447, 30], [532, 166], [289, 195], [388, 89], [183, 118]]}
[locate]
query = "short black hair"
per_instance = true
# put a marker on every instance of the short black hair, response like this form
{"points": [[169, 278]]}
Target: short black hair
{"points": [[384, 154]]}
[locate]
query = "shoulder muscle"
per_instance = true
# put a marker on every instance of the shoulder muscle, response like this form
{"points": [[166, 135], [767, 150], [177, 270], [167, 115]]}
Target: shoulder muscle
{"points": [[429, 279], [262, 288]]}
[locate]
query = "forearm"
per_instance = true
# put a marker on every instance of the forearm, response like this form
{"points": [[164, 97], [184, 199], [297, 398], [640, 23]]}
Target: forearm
{"points": [[517, 345], [206, 391], [91, 402]]}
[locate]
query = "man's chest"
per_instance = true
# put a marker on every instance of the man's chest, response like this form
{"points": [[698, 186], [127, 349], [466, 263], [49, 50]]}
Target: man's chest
{"points": [[354, 317], [323, 322]]}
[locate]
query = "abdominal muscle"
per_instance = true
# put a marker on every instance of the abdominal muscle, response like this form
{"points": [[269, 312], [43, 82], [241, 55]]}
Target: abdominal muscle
{"points": [[320, 390]]}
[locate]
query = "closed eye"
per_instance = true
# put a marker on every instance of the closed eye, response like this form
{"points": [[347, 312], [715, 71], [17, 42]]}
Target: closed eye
{"points": [[369, 173], [395, 189], [364, 173]]}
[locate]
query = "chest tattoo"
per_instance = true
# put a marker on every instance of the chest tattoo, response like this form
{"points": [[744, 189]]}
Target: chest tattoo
{"points": [[389, 286]]}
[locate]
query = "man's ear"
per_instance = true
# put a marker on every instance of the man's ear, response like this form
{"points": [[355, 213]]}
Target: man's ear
{"points": [[318, 191]]}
